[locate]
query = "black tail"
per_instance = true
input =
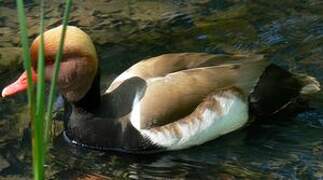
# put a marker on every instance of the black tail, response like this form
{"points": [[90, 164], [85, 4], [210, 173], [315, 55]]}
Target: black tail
{"points": [[278, 89]]}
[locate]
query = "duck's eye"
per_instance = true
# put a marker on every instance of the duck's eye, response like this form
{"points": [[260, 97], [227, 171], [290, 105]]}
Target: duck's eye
{"points": [[49, 61]]}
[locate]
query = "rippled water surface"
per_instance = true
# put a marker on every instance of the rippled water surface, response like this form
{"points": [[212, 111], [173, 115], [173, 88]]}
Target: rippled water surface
{"points": [[288, 32]]}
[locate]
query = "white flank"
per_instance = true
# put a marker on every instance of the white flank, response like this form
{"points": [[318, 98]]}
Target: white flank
{"points": [[135, 113], [234, 114]]}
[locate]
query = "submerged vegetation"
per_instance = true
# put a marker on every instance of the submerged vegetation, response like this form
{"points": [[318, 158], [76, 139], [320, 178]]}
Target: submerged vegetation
{"points": [[40, 115]]}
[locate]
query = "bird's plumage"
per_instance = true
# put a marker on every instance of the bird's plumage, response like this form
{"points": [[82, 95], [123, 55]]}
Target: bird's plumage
{"points": [[182, 81]]}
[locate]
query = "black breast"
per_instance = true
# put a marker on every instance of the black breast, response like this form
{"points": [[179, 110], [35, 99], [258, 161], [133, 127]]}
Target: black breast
{"points": [[106, 126]]}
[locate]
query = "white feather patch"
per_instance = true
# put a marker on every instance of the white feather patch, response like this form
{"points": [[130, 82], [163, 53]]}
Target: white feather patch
{"points": [[135, 113], [210, 125], [122, 77]]}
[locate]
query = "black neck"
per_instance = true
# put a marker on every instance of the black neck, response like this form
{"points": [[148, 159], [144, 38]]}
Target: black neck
{"points": [[92, 99]]}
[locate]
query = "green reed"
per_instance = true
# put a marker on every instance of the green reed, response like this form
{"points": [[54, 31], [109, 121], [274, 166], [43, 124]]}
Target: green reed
{"points": [[40, 118], [58, 58]]}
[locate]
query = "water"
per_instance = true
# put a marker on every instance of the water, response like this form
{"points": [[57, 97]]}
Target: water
{"points": [[290, 33]]}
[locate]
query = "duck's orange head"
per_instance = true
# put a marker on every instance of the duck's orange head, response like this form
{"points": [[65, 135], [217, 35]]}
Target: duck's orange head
{"points": [[78, 66]]}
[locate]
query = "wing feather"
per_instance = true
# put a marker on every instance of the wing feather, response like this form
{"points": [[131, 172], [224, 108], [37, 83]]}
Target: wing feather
{"points": [[162, 65], [177, 94]]}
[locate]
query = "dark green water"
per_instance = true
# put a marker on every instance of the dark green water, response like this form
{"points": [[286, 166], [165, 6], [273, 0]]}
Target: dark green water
{"points": [[288, 32]]}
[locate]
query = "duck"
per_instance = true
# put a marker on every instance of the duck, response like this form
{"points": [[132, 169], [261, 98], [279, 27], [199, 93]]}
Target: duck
{"points": [[164, 103]]}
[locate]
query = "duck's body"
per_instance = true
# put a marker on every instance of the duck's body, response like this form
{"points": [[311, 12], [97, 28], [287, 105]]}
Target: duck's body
{"points": [[173, 101], [176, 101]]}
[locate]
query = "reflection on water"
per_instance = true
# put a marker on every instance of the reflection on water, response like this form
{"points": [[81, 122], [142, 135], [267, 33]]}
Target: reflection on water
{"points": [[290, 33]]}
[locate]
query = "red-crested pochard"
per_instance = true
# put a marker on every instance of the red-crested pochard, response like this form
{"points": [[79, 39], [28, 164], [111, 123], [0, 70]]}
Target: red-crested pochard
{"points": [[168, 102]]}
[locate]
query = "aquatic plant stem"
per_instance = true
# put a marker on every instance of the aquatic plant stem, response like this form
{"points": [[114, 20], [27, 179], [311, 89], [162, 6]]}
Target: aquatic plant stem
{"points": [[38, 169], [40, 94], [59, 53]]}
